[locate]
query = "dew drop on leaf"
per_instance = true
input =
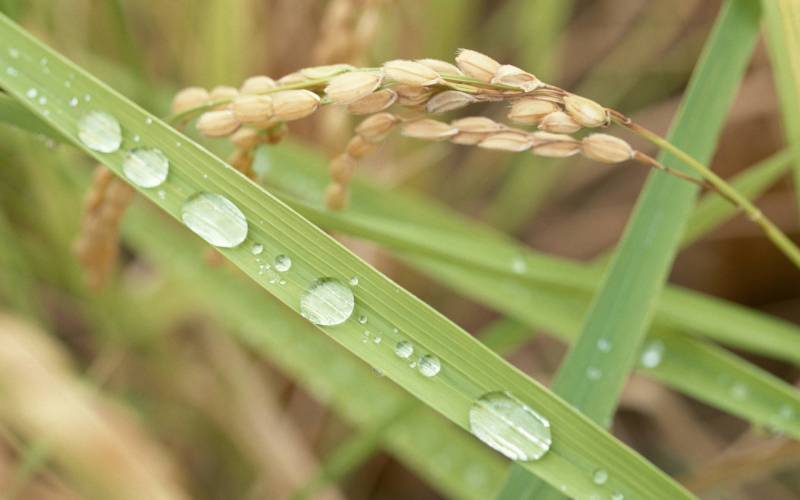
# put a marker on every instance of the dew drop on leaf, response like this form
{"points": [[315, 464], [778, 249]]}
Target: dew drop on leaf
{"points": [[404, 349], [146, 168], [283, 263], [327, 302], [429, 365], [599, 476], [510, 426], [100, 131], [215, 219]]}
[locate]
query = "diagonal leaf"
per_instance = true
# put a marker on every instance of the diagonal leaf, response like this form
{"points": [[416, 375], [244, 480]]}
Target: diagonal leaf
{"points": [[469, 369]]}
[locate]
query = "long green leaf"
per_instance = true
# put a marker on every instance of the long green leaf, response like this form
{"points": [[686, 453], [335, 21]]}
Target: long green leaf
{"points": [[469, 370], [591, 378], [782, 25]]}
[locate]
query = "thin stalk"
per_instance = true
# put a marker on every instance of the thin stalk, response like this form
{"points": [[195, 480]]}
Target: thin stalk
{"points": [[772, 231]]}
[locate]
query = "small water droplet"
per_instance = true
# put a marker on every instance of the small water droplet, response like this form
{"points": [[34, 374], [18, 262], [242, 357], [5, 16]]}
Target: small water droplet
{"points": [[136, 138], [378, 372], [14, 53], [43, 61], [162, 195], [786, 411], [146, 168], [32, 93], [42, 100], [327, 302], [412, 365], [148, 120], [518, 265], [377, 340], [73, 102], [178, 143], [365, 336], [11, 71], [509, 426], [362, 319], [100, 131], [87, 98], [429, 365], [354, 281], [652, 354], [599, 476], [283, 263], [739, 391], [256, 249], [215, 219], [603, 345], [593, 373], [68, 84], [617, 496], [404, 349]]}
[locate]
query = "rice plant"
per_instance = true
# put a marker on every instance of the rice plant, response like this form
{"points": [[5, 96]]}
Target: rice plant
{"points": [[287, 250]]}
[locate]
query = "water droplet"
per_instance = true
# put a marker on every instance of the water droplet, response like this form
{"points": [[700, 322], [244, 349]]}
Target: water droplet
{"points": [[593, 373], [32, 93], [786, 411], [162, 195], [146, 168], [362, 319], [377, 340], [100, 132], [68, 84], [404, 349], [652, 354], [603, 345], [215, 219], [518, 265], [43, 61], [148, 120], [509, 426], [599, 476], [429, 365], [283, 263], [354, 281], [739, 391], [136, 138], [73, 102], [327, 302], [42, 100], [617, 496], [14, 53], [256, 249], [365, 337], [11, 71], [87, 98], [178, 143]]}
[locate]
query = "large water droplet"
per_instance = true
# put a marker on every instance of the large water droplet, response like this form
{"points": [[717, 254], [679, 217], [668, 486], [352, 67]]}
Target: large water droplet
{"points": [[100, 132], [283, 263], [404, 349], [652, 354], [429, 365], [327, 302], [599, 476], [146, 168], [215, 219], [510, 426]]}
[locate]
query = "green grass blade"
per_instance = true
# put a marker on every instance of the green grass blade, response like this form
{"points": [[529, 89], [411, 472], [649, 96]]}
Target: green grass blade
{"points": [[469, 369], [782, 26], [591, 378]]}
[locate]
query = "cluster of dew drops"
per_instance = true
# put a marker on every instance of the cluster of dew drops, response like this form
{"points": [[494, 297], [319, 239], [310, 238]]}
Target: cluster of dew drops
{"points": [[498, 418]]}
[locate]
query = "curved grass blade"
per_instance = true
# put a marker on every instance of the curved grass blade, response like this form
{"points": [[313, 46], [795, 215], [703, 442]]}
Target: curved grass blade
{"points": [[469, 369]]}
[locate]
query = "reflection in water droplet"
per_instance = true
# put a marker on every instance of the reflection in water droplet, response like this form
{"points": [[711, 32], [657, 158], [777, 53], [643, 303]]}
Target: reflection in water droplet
{"points": [[327, 302], [146, 168], [429, 365], [215, 219], [509, 426], [739, 391], [283, 263], [593, 373], [100, 131], [256, 249], [404, 349], [599, 476], [652, 354]]}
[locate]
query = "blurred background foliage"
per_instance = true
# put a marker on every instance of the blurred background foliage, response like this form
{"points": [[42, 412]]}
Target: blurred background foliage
{"points": [[165, 357]]}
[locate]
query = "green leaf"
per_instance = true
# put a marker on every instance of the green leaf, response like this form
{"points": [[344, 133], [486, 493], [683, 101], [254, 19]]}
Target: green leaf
{"points": [[782, 26], [591, 378], [469, 369]]}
